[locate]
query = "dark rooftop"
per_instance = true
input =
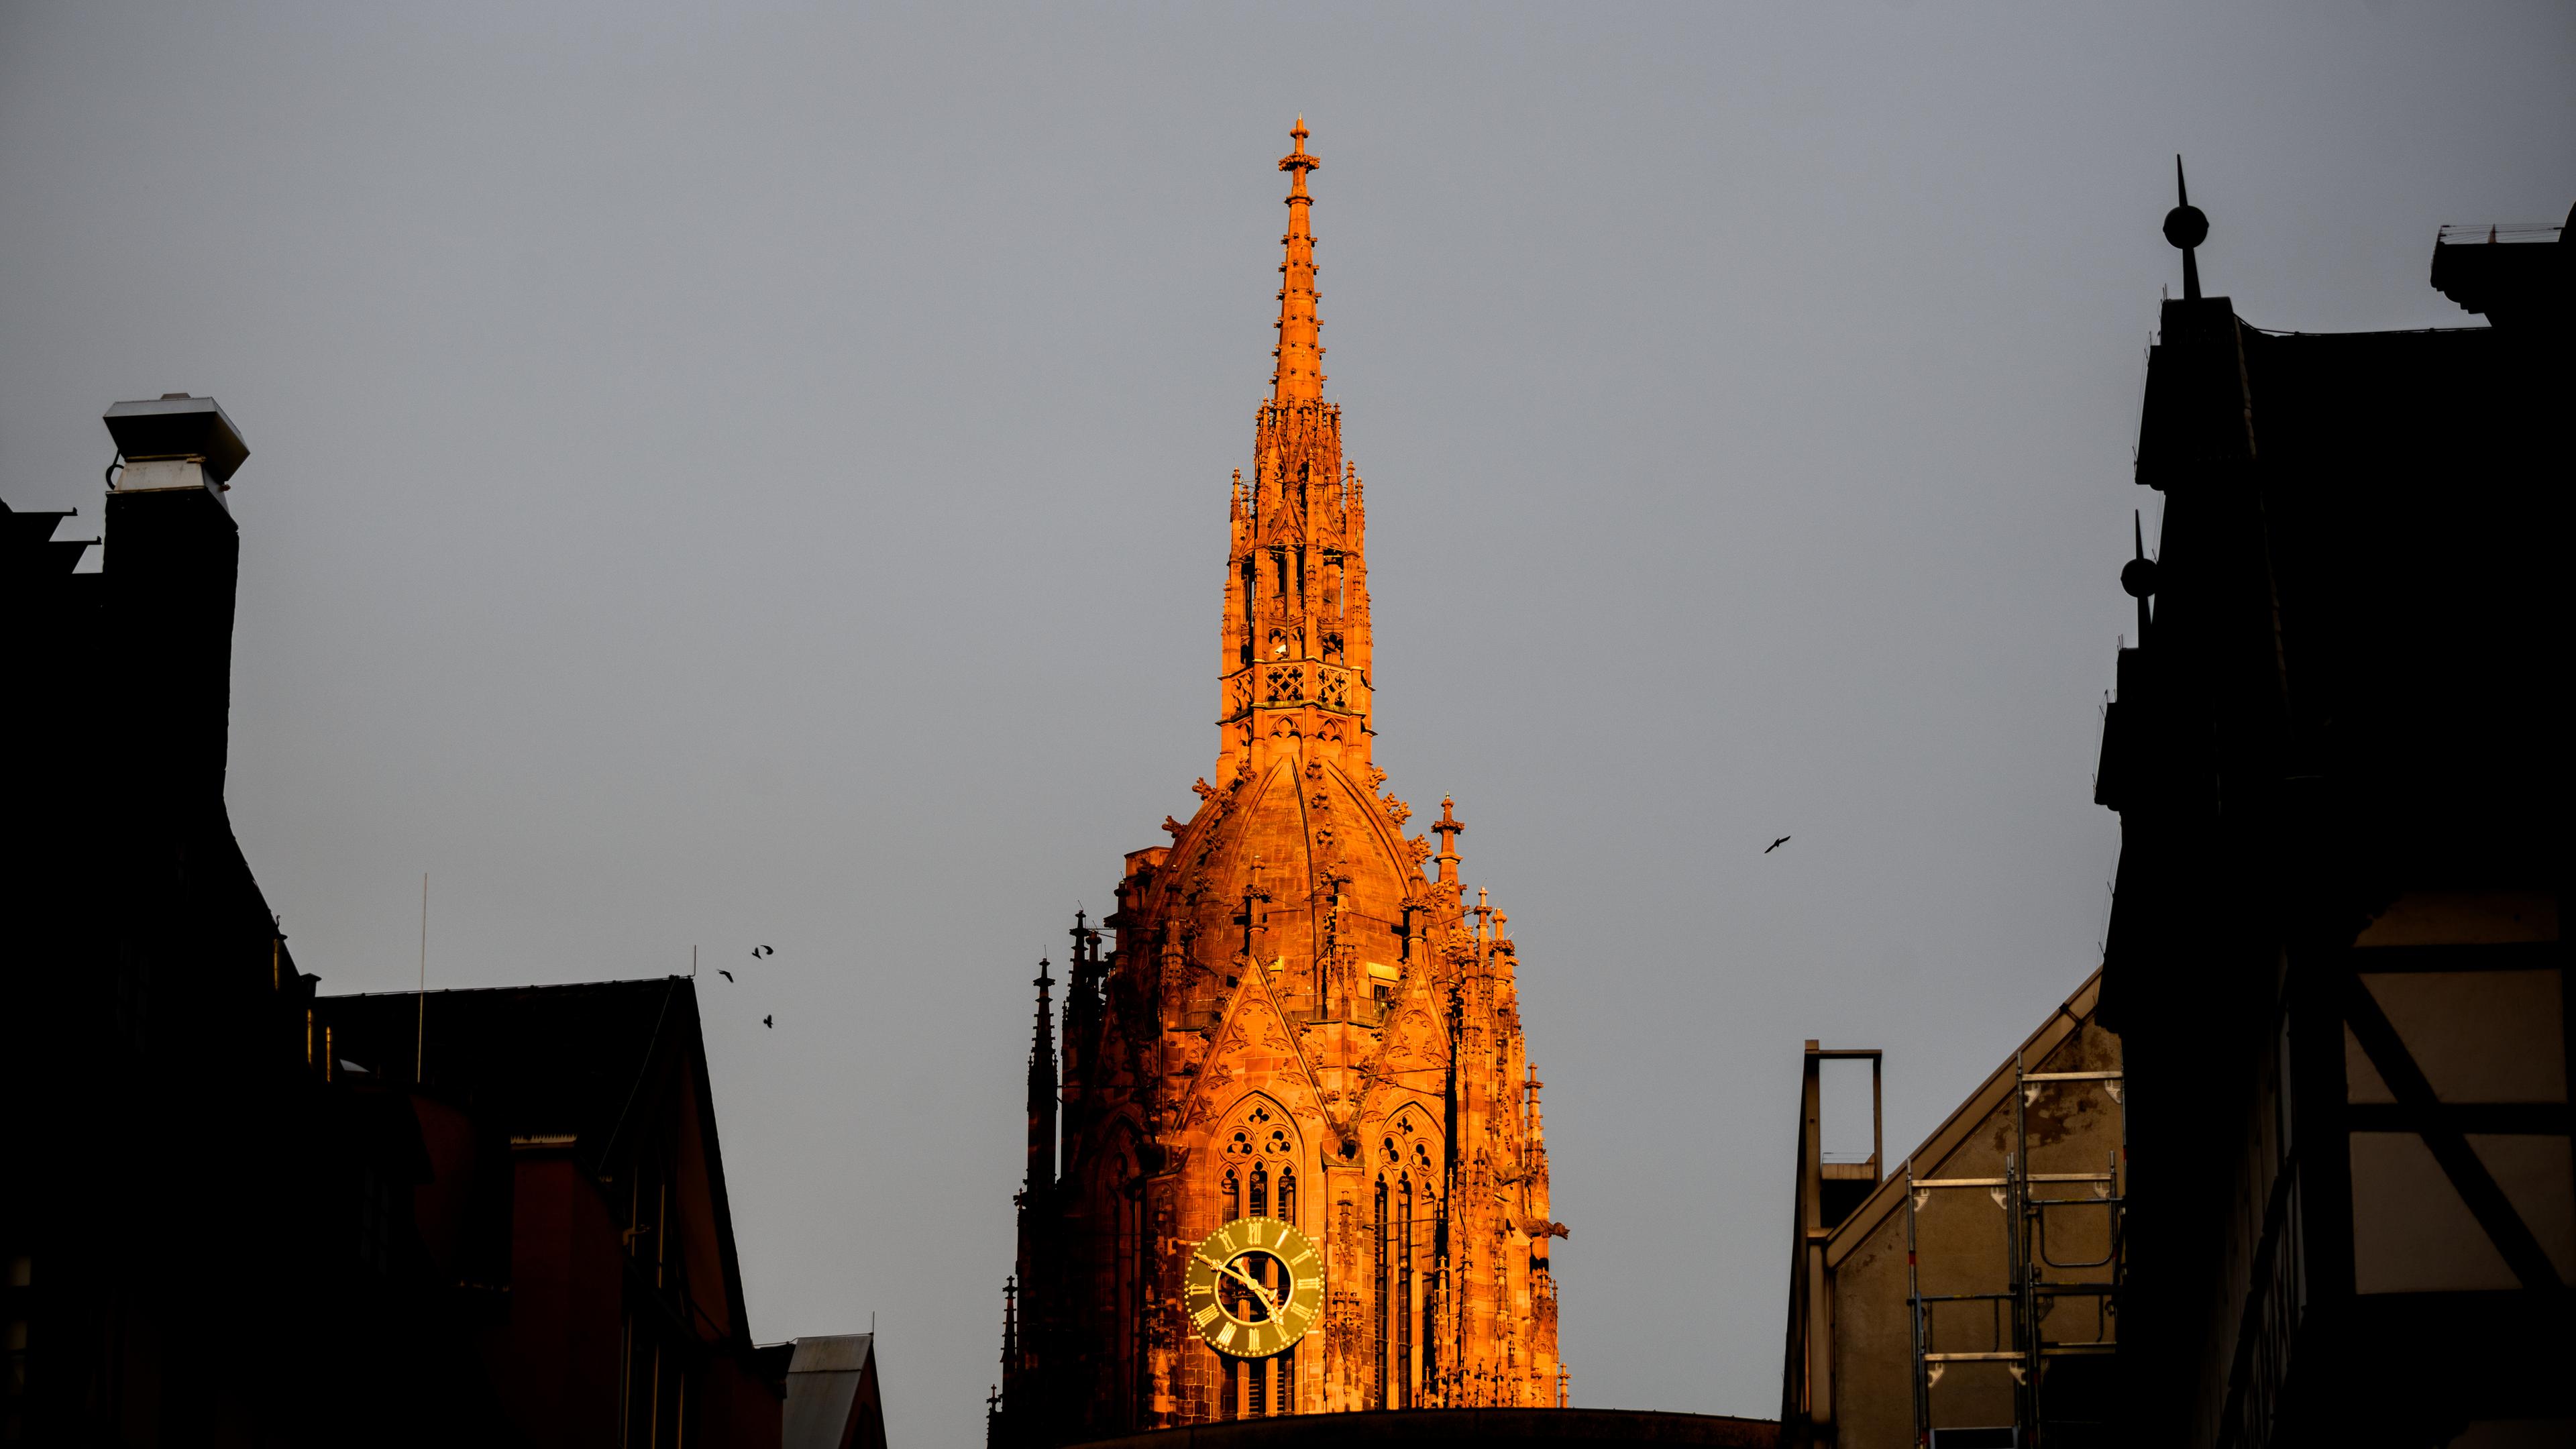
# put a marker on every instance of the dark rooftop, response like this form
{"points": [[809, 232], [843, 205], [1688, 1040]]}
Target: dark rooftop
{"points": [[536, 1060], [2513, 276]]}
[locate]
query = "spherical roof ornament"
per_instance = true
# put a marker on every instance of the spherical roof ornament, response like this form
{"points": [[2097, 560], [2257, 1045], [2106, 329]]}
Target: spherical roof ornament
{"points": [[2138, 575], [2186, 227]]}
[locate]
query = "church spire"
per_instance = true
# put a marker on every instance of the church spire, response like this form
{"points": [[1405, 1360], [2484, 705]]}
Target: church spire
{"points": [[1295, 647], [1299, 373]]}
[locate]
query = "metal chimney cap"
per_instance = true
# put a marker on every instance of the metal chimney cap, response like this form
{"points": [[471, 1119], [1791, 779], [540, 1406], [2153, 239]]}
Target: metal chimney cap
{"points": [[178, 426]]}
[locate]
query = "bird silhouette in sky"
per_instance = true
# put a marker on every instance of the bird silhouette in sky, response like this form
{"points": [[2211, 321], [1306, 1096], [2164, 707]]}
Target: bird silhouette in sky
{"points": [[1775, 845], [759, 951], [720, 971], [770, 1021]]}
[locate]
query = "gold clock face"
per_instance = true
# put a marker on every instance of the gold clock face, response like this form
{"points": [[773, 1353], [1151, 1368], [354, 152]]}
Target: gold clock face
{"points": [[1253, 1287]]}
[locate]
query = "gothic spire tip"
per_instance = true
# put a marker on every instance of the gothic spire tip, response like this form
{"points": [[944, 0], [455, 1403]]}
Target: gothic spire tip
{"points": [[1299, 374]]}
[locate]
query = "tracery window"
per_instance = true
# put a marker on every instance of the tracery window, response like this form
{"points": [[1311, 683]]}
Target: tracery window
{"points": [[1382, 1271], [1405, 1308], [1251, 587], [1258, 1153], [1406, 1287]]}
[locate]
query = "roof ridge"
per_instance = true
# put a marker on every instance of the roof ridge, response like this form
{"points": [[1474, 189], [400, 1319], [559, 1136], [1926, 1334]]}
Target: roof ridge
{"points": [[532, 986]]}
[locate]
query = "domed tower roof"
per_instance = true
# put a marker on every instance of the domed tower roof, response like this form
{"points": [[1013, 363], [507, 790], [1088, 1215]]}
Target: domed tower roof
{"points": [[1326, 870]]}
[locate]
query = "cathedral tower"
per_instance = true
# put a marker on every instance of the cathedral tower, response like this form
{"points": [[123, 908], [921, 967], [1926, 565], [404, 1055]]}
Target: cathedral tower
{"points": [[1301, 1167]]}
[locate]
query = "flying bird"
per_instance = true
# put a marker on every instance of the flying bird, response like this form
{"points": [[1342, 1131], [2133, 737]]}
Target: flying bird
{"points": [[720, 971], [1775, 845], [759, 951], [770, 1021]]}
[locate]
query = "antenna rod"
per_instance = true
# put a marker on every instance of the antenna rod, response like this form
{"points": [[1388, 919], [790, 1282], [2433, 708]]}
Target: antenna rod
{"points": [[2186, 227], [420, 1041]]}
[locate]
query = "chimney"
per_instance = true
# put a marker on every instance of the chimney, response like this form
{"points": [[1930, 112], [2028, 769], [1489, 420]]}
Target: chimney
{"points": [[172, 558]]}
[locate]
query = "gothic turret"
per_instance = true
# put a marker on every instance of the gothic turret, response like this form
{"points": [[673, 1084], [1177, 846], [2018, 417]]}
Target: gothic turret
{"points": [[1042, 1090]]}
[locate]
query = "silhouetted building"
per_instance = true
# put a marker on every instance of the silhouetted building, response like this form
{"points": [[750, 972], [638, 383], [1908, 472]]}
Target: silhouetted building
{"points": [[199, 1227], [2334, 959], [1965, 1297], [571, 1211], [235, 1212]]}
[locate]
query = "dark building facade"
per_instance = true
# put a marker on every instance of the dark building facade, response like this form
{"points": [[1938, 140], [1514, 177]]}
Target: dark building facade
{"points": [[1964, 1293], [2334, 959], [568, 1211], [233, 1211], [194, 1220]]}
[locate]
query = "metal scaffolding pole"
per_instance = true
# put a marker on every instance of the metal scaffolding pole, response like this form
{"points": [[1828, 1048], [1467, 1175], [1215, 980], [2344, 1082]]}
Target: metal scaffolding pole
{"points": [[2032, 1286]]}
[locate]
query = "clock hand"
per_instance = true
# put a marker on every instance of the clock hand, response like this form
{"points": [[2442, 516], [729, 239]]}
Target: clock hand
{"points": [[1247, 1281], [1229, 1270]]}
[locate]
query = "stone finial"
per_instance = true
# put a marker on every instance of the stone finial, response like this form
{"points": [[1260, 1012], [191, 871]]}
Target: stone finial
{"points": [[1448, 827]]}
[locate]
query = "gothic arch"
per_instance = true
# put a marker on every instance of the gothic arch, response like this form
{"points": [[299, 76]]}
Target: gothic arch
{"points": [[1408, 1142], [1258, 1156]]}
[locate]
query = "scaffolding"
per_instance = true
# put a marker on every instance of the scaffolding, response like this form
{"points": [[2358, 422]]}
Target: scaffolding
{"points": [[2027, 1308]]}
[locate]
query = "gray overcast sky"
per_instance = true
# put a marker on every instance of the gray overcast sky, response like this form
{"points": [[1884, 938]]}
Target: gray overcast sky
{"points": [[757, 474]]}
